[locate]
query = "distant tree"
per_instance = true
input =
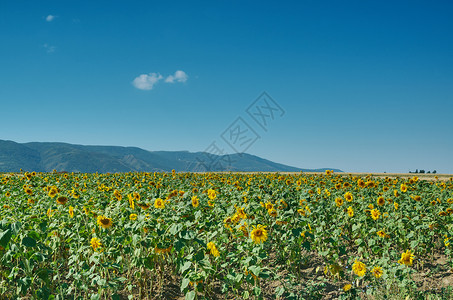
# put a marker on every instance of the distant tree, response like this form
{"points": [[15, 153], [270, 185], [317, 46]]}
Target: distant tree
{"points": [[416, 170], [421, 171], [434, 172], [428, 172]]}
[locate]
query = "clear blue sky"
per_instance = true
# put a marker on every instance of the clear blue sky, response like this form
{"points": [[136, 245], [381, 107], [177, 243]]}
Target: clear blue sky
{"points": [[365, 85]]}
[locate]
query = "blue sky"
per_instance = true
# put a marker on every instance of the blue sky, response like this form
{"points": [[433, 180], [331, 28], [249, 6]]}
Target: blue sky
{"points": [[364, 85]]}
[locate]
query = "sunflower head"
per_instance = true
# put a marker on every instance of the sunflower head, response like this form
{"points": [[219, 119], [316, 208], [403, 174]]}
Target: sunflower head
{"points": [[104, 222], [359, 268], [62, 200], [259, 234], [407, 258]]}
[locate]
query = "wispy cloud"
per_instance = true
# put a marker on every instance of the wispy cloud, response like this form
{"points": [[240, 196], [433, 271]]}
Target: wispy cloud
{"points": [[147, 81], [50, 18], [179, 76], [49, 48]]}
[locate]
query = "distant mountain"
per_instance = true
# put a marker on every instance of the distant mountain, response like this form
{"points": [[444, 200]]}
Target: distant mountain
{"points": [[45, 157]]}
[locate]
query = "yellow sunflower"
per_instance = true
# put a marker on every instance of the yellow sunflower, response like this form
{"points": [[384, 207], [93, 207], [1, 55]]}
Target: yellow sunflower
{"points": [[259, 234], [272, 212], [159, 203], [407, 258], [53, 192], [375, 214], [350, 212], [380, 201], [71, 211], [339, 202], [211, 246], [95, 243], [195, 201], [348, 196], [403, 188], [104, 222], [377, 272], [359, 268]]}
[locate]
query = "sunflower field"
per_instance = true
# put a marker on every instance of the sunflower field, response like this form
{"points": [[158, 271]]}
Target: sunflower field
{"points": [[224, 236]]}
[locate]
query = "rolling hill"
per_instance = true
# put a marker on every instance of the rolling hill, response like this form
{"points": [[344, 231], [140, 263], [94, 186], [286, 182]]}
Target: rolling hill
{"points": [[45, 157]]}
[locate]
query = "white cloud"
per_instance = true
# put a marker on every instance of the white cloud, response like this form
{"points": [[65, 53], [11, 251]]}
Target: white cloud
{"points": [[179, 76], [50, 18], [49, 48], [146, 81]]}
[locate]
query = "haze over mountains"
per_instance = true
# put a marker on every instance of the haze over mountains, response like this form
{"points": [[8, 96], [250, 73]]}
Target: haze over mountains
{"points": [[46, 157]]}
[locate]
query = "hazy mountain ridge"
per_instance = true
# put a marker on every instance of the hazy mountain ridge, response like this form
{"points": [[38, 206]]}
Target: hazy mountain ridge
{"points": [[45, 157]]}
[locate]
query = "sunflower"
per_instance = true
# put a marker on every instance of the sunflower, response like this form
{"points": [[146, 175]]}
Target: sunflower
{"points": [[403, 188], [417, 198], [395, 192], [53, 192], [104, 222], [359, 268], [71, 211], [361, 183], [159, 203], [195, 201], [375, 214], [347, 287], [259, 234], [62, 200], [350, 212], [348, 196], [377, 272], [117, 195], [95, 243], [407, 258], [28, 191], [381, 233], [268, 206], [395, 205], [136, 196], [212, 194], [241, 213], [339, 202], [133, 217], [380, 201], [211, 246], [272, 212]]}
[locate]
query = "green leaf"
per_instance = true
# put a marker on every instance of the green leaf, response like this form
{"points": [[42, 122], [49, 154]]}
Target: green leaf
{"points": [[29, 242], [255, 270], [190, 295], [257, 290], [186, 266], [5, 237], [116, 297], [185, 282]]}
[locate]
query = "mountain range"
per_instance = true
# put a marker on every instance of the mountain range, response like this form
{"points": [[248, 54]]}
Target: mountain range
{"points": [[46, 157]]}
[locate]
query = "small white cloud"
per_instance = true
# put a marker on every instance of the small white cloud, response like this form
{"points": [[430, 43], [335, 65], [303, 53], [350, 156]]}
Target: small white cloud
{"points": [[49, 48], [50, 18], [146, 81], [179, 76]]}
